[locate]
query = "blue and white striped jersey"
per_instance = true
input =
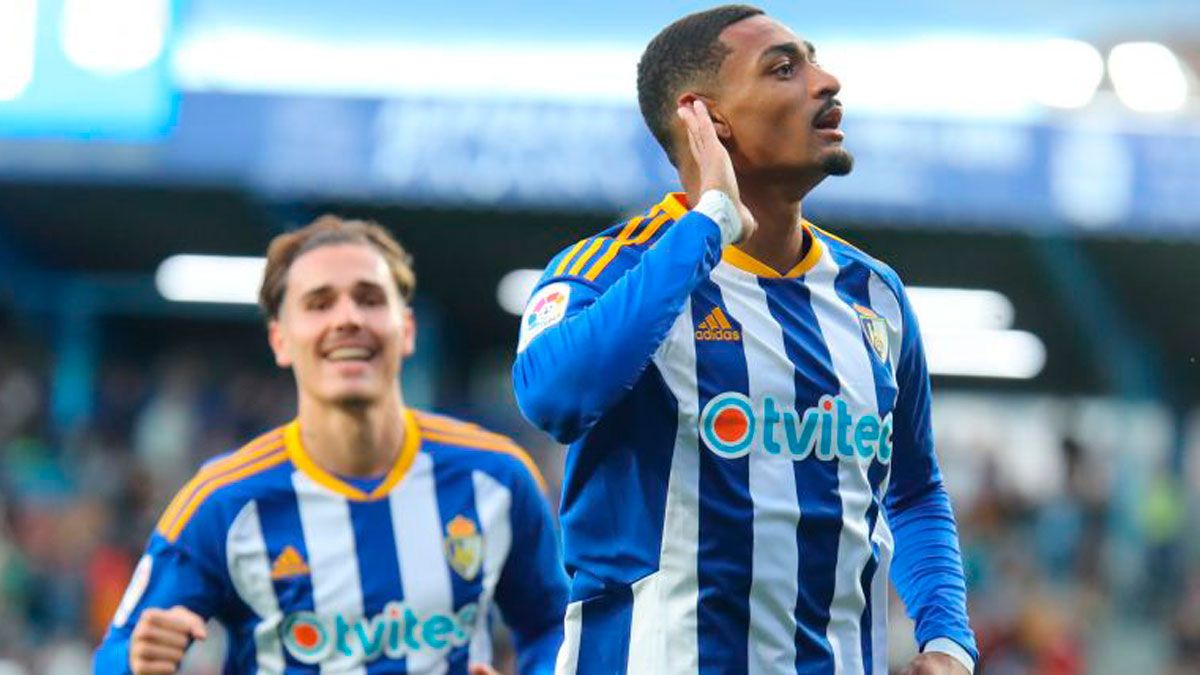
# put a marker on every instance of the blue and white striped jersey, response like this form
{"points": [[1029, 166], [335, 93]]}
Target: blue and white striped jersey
{"points": [[310, 572], [750, 453]]}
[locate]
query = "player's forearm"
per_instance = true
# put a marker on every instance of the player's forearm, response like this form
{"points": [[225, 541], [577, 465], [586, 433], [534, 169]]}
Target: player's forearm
{"points": [[571, 373], [927, 568]]}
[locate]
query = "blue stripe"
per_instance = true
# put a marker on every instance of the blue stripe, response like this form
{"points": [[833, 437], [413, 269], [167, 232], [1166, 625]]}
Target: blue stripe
{"points": [[280, 519], [816, 480], [726, 527], [853, 286], [378, 569], [604, 634]]}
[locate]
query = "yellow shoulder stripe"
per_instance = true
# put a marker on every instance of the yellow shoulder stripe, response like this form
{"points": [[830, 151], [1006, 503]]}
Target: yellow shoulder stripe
{"points": [[511, 449], [562, 265], [587, 254], [275, 458], [248, 453], [627, 238], [432, 422]]}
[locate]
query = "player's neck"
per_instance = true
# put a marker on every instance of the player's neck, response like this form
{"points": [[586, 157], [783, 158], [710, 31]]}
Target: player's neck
{"points": [[779, 240], [352, 441]]}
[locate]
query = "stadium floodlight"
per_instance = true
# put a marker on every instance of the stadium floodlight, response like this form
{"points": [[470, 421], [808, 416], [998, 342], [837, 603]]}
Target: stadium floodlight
{"points": [[514, 289], [112, 37], [1008, 354], [18, 44], [210, 278], [1148, 77], [1067, 73], [960, 308]]}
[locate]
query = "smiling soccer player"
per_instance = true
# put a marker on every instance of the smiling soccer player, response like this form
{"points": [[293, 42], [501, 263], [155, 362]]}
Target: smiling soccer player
{"points": [[364, 536]]}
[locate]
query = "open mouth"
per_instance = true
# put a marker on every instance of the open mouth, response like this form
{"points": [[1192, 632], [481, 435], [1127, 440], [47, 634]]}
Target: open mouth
{"points": [[349, 354], [830, 119]]}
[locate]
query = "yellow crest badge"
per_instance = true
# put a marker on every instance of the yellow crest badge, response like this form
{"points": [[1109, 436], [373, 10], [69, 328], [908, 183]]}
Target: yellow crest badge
{"points": [[875, 329], [464, 547]]}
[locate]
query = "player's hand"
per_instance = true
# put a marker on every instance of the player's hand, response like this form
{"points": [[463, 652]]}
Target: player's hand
{"points": [[716, 167], [481, 669], [161, 637], [935, 663]]}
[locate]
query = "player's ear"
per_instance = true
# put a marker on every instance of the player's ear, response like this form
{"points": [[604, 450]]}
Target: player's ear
{"points": [[720, 124], [279, 344]]}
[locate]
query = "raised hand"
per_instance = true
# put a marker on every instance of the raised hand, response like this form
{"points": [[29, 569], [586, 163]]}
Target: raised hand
{"points": [[716, 167], [161, 637]]}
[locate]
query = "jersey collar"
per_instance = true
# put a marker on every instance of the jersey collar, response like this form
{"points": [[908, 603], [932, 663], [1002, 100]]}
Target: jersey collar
{"points": [[675, 204], [304, 463]]}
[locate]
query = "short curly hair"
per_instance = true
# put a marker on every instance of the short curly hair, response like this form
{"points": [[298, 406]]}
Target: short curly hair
{"points": [[686, 53], [330, 230]]}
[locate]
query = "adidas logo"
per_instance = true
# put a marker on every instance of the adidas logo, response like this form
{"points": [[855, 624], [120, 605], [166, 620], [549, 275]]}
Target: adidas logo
{"points": [[289, 563], [716, 328]]}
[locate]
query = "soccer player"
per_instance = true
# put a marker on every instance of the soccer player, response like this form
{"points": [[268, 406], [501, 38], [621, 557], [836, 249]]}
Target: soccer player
{"points": [[745, 396], [364, 536]]}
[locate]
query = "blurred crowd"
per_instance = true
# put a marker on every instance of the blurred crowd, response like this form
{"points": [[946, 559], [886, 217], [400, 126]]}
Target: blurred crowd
{"points": [[1061, 585]]}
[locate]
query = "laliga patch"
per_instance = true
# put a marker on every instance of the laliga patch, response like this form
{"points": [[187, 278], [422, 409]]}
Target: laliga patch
{"points": [[133, 594], [547, 307]]}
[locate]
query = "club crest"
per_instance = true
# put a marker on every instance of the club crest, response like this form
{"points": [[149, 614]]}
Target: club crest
{"points": [[464, 547], [875, 329]]}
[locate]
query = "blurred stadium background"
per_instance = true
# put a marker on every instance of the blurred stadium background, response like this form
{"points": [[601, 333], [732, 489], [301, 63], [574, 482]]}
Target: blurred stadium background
{"points": [[1035, 164]]}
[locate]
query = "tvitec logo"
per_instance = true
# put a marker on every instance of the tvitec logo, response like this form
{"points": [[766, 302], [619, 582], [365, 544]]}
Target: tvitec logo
{"points": [[396, 632], [731, 426]]}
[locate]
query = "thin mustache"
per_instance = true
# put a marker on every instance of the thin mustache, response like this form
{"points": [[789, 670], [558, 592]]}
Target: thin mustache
{"points": [[830, 104]]}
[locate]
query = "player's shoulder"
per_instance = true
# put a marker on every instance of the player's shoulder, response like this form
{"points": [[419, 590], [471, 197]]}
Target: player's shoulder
{"points": [[469, 447], [222, 485], [602, 258], [848, 253]]}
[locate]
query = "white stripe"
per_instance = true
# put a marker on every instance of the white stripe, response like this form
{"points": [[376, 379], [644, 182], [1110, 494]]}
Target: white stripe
{"points": [[774, 583], [645, 631], [250, 571], [568, 655], [879, 597], [674, 647], [418, 532], [841, 330], [332, 559], [493, 503]]}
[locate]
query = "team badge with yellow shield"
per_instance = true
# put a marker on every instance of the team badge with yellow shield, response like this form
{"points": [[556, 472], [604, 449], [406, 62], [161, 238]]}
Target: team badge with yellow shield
{"points": [[875, 328], [464, 547]]}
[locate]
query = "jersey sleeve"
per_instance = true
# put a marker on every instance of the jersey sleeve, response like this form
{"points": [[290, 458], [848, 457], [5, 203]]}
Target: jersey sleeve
{"points": [[532, 590], [584, 343], [927, 567], [174, 570]]}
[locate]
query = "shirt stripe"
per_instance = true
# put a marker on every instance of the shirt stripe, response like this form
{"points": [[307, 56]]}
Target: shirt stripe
{"points": [[336, 584], [418, 539], [726, 511], [250, 572], [840, 326], [672, 597], [773, 588]]}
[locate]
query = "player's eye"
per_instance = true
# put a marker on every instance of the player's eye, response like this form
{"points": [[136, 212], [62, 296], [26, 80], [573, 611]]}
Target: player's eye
{"points": [[785, 70]]}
